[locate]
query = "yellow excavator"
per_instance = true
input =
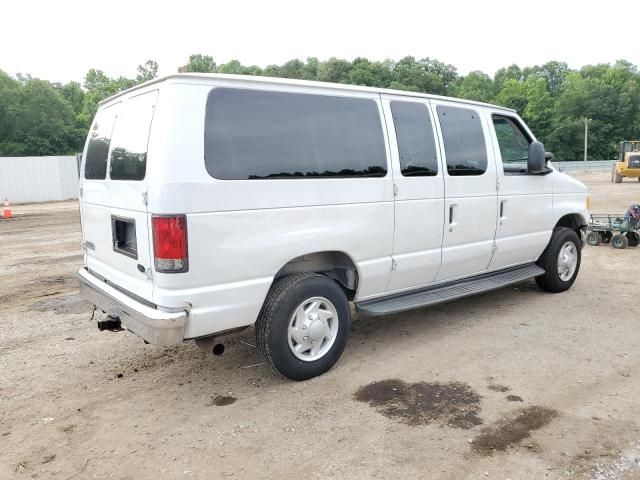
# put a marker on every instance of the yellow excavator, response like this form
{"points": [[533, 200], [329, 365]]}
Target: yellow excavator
{"points": [[628, 164]]}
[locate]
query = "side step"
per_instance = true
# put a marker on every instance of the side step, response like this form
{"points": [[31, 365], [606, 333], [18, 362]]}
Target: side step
{"points": [[443, 293]]}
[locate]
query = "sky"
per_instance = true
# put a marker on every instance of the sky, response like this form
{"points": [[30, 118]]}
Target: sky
{"points": [[60, 40]]}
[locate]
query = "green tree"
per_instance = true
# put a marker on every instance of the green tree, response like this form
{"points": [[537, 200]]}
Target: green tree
{"points": [[199, 63], [147, 71], [476, 86]]}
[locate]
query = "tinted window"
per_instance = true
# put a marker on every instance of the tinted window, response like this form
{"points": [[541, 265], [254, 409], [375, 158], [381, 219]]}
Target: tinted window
{"points": [[95, 167], [514, 144], [252, 134], [130, 138], [414, 134], [463, 139]]}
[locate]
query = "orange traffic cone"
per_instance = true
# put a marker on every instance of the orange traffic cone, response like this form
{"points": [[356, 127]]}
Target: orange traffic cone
{"points": [[6, 211]]}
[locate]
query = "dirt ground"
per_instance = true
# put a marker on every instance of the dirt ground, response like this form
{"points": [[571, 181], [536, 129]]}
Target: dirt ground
{"points": [[514, 384]]}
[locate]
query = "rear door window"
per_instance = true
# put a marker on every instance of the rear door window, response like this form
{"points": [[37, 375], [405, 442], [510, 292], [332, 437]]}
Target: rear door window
{"points": [[131, 137], [464, 142], [414, 134], [95, 167], [253, 134]]}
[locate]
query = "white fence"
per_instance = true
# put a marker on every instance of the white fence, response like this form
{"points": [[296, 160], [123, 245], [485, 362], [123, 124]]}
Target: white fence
{"points": [[581, 166], [38, 179]]}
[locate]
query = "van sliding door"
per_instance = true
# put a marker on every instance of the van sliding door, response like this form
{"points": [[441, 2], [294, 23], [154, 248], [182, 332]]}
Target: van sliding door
{"points": [[419, 189]]}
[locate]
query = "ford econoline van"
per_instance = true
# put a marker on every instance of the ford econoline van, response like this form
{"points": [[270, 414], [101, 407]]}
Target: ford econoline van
{"points": [[210, 203]]}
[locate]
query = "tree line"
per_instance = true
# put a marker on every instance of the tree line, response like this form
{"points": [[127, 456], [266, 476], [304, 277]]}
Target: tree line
{"points": [[38, 117]]}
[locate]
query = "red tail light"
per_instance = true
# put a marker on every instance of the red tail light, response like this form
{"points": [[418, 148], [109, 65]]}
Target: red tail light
{"points": [[170, 243]]}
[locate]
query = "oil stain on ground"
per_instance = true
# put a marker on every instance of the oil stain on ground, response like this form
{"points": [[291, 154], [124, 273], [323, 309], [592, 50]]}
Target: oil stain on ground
{"points": [[498, 388], [221, 401], [507, 432], [454, 404]]}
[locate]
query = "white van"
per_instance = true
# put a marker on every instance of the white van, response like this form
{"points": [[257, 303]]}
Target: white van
{"points": [[210, 203]]}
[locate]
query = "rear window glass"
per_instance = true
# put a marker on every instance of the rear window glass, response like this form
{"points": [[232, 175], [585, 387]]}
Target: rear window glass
{"points": [[414, 134], [95, 167], [463, 138], [130, 138], [252, 134]]}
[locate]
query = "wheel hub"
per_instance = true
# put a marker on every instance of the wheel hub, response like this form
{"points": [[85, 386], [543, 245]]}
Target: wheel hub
{"points": [[313, 329], [317, 328], [567, 261]]}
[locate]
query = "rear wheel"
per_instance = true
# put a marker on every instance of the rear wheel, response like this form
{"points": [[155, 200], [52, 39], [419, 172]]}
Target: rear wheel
{"points": [[560, 261], [594, 239], [633, 239], [619, 241], [303, 326]]}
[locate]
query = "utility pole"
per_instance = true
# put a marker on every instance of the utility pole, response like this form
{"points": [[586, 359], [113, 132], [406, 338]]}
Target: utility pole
{"points": [[586, 140]]}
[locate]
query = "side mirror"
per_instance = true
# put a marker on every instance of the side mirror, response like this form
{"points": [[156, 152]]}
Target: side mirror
{"points": [[536, 161], [548, 156]]}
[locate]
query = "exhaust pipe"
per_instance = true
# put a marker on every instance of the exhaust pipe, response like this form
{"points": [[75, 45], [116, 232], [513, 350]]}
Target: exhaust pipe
{"points": [[110, 323], [210, 345]]}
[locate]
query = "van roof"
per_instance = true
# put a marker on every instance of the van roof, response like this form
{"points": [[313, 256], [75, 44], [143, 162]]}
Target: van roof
{"points": [[204, 77]]}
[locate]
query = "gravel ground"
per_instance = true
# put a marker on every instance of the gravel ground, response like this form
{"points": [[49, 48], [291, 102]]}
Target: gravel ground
{"points": [[514, 383]]}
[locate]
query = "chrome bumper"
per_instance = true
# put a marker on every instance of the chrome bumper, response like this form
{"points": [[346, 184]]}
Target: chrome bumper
{"points": [[154, 325]]}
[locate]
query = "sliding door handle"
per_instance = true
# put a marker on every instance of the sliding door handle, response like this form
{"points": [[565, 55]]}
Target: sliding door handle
{"points": [[452, 216]]}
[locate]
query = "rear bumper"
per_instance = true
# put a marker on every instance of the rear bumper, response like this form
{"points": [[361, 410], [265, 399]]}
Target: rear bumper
{"points": [[155, 325]]}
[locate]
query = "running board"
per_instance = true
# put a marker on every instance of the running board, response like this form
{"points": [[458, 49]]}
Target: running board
{"points": [[443, 293]]}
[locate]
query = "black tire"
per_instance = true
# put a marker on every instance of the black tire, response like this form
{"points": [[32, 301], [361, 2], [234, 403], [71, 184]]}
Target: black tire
{"points": [[633, 238], [606, 237], [619, 241], [617, 177], [272, 326], [594, 238], [551, 281]]}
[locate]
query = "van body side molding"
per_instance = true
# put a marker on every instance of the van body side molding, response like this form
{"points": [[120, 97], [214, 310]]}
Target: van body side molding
{"points": [[443, 293]]}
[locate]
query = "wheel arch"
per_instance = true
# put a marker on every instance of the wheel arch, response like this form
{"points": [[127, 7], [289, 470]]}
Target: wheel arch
{"points": [[336, 265], [574, 221]]}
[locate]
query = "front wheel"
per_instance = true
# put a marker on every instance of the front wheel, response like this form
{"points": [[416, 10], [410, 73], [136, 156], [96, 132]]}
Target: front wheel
{"points": [[560, 261], [617, 177], [303, 326], [594, 238]]}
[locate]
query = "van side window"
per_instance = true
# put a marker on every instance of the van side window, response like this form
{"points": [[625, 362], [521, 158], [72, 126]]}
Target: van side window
{"points": [[253, 134], [414, 134], [514, 144], [95, 166], [464, 142], [131, 136]]}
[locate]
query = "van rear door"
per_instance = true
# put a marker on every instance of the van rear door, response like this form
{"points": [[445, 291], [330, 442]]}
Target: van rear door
{"points": [[113, 206]]}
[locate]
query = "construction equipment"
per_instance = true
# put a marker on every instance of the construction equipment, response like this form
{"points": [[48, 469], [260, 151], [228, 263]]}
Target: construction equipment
{"points": [[628, 164]]}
